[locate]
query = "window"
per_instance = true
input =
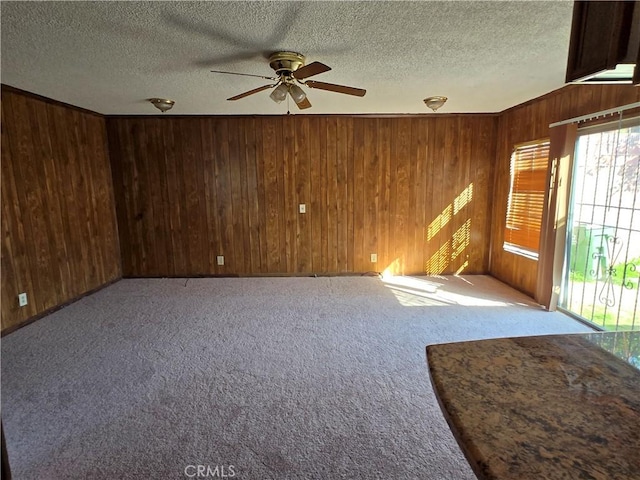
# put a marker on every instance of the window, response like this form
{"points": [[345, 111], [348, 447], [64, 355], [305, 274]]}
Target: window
{"points": [[526, 198]]}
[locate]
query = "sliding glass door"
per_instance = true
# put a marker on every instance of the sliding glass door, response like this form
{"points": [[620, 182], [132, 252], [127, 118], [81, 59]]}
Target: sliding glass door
{"points": [[602, 263]]}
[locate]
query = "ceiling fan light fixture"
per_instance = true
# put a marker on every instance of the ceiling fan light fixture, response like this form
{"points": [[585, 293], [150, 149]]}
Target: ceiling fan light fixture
{"points": [[434, 103], [297, 93], [162, 104], [279, 93], [290, 68]]}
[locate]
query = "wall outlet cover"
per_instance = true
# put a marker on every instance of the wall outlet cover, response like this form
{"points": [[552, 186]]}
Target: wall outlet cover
{"points": [[220, 259], [22, 299]]}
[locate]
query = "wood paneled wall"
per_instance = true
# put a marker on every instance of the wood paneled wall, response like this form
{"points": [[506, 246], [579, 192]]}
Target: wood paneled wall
{"points": [[414, 190], [528, 122], [420, 192], [58, 220]]}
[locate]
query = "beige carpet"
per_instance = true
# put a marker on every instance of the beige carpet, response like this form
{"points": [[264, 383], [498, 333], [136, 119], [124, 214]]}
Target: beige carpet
{"points": [[262, 378]]}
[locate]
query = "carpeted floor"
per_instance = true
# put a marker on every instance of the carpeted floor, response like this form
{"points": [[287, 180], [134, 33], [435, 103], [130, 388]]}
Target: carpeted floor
{"points": [[254, 378]]}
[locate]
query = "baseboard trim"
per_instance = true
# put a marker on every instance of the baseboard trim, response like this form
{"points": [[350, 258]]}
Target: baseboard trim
{"points": [[259, 275], [38, 316]]}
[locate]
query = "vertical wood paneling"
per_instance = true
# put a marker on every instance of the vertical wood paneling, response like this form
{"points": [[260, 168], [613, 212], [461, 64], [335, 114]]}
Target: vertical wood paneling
{"points": [[146, 221], [232, 186], [58, 220], [421, 192], [272, 235], [360, 263], [208, 196], [161, 216], [303, 240], [283, 151], [290, 210], [484, 146], [238, 200], [175, 249], [419, 177], [224, 211], [242, 202], [531, 122], [342, 192], [371, 193], [191, 168], [316, 199], [332, 193], [451, 186], [252, 201], [439, 215], [400, 241], [384, 184], [350, 159], [462, 220]]}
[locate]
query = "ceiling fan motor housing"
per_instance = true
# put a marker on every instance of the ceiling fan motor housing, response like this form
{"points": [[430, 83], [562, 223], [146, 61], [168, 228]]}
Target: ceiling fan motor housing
{"points": [[286, 62]]}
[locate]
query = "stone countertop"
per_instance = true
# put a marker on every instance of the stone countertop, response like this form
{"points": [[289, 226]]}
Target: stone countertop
{"points": [[546, 407]]}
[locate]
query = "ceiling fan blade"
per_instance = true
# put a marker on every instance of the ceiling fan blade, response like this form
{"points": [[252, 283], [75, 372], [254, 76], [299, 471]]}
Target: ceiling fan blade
{"points": [[251, 92], [310, 70], [304, 104], [332, 87], [244, 74]]}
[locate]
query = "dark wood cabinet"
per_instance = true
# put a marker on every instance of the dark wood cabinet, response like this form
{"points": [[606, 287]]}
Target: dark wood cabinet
{"points": [[605, 42]]}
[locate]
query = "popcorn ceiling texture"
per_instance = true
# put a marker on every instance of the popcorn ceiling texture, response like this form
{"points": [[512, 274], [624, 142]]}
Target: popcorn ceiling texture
{"points": [[281, 378], [111, 56]]}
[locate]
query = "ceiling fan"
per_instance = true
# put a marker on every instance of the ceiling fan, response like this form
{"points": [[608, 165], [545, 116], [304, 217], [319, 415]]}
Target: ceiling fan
{"points": [[291, 71]]}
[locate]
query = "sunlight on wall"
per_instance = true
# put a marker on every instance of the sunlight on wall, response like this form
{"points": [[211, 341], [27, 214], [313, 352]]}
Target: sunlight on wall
{"points": [[462, 267], [463, 199], [395, 268], [461, 239], [439, 261], [439, 223], [447, 250], [453, 247]]}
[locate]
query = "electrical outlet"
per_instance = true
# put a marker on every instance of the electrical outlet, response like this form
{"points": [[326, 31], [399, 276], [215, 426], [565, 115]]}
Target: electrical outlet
{"points": [[374, 258], [220, 260], [22, 299], [303, 208]]}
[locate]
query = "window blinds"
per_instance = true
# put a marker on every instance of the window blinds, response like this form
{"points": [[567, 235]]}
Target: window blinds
{"points": [[529, 165]]}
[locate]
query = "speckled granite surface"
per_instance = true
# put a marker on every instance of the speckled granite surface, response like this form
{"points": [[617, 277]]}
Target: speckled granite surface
{"points": [[550, 407]]}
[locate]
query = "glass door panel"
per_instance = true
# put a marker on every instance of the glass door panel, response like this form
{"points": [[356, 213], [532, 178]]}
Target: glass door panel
{"points": [[602, 264]]}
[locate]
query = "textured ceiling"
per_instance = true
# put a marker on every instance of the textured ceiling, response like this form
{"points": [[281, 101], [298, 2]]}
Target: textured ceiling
{"points": [[110, 57]]}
